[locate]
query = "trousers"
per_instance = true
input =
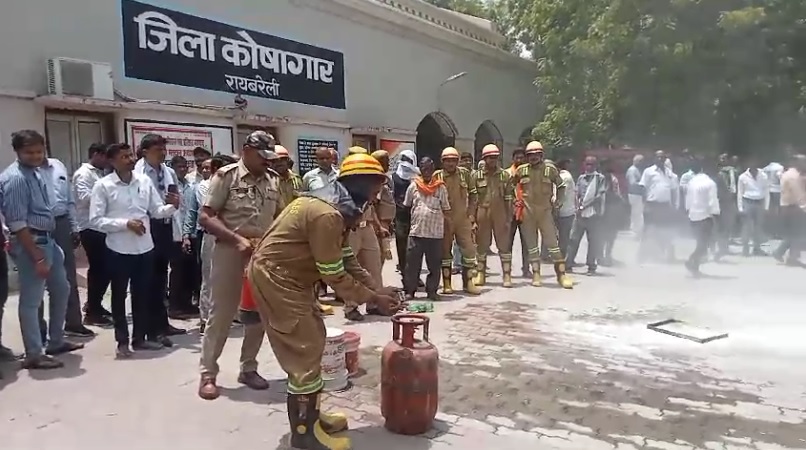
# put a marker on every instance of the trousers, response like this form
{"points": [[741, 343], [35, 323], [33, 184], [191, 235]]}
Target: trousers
{"points": [[131, 273], [636, 213], [98, 276], [592, 228], [368, 253], [518, 226], [418, 248], [752, 218], [495, 226], [459, 228], [542, 220], [206, 257]]}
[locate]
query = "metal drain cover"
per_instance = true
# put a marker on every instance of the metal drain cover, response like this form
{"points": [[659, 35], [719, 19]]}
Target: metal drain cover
{"points": [[681, 329]]}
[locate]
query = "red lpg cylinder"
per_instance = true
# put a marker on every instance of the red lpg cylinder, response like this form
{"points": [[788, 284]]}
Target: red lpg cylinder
{"points": [[248, 313], [409, 377]]}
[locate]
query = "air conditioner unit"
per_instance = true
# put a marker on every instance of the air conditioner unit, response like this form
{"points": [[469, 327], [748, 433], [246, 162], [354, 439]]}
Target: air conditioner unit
{"points": [[67, 76]]}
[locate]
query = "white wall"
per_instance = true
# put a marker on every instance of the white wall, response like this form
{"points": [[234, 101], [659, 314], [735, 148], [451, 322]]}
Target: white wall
{"points": [[17, 114]]}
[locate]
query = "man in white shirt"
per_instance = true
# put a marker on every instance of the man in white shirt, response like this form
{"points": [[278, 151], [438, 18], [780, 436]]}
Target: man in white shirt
{"points": [[93, 241], [636, 194], [753, 200], [564, 217], [774, 170], [200, 155], [702, 203], [661, 191], [123, 205]]}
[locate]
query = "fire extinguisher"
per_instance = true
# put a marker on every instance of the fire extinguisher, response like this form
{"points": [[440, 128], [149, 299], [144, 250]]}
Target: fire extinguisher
{"points": [[247, 310]]}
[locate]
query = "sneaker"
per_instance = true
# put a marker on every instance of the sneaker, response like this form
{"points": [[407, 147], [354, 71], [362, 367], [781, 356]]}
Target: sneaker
{"points": [[42, 362], [79, 331]]}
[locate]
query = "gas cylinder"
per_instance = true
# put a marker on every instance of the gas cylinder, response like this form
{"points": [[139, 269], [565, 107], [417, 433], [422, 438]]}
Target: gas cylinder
{"points": [[409, 377], [247, 310]]}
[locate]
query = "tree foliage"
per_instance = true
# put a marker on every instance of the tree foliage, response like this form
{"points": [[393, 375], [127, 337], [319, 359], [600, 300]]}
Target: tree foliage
{"points": [[706, 74]]}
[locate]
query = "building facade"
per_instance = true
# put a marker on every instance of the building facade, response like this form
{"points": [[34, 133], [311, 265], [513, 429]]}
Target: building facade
{"points": [[390, 74]]}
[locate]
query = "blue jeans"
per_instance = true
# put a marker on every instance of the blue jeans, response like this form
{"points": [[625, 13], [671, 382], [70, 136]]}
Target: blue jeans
{"points": [[457, 256], [32, 293]]}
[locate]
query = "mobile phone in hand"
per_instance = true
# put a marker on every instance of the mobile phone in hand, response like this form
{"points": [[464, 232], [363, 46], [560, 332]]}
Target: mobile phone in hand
{"points": [[173, 189]]}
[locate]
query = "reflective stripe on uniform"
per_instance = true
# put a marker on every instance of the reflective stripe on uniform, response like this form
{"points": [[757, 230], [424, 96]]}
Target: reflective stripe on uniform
{"points": [[328, 269], [310, 388], [347, 252]]}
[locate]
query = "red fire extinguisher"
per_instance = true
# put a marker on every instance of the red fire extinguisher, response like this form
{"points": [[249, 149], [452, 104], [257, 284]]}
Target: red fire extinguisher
{"points": [[248, 312], [409, 377]]}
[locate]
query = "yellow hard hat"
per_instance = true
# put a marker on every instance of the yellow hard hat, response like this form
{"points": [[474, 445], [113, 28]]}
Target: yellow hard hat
{"points": [[281, 151], [357, 150], [490, 150], [378, 154], [534, 147], [449, 153], [360, 164]]}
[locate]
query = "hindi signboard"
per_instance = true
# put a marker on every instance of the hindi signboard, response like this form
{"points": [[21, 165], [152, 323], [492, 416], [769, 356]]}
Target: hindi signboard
{"points": [[182, 138], [181, 49], [306, 152]]}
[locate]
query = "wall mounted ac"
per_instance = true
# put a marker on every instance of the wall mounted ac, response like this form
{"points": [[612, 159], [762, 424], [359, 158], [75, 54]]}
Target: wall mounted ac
{"points": [[67, 76]]}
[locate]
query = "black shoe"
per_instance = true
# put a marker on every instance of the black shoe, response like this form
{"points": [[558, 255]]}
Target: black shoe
{"points": [[66, 347], [591, 271], [79, 331], [123, 351], [174, 331], [146, 346], [354, 315], [202, 326], [164, 341], [8, 355], [98, 320]]}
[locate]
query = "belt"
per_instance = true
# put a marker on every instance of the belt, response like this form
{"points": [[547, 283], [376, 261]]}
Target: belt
{"points": [[36, 232], [162, 221]]}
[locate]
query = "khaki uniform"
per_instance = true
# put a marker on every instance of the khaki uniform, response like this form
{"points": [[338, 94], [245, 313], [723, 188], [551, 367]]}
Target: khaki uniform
{"points": [[364, 244], [461, 191], [290, 186], [385, 211], [246, 205], [539, 184], [494, 217], [306, 243]]}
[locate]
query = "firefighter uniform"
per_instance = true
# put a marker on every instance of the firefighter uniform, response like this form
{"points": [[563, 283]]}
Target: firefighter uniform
{"points": [[364, 244], [538, 183], [247, 205], [290, 183], [459, 225], [308, 242], [493, 216]]}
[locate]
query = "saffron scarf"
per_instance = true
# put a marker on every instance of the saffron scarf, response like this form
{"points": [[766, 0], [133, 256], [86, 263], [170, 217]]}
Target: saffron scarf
{"points": [[519, 207], [429, 188]]}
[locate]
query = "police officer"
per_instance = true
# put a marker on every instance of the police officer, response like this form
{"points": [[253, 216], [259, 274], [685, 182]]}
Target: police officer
{"points": [[537, 181], [242, 201], [493, 214], [459, 222]]}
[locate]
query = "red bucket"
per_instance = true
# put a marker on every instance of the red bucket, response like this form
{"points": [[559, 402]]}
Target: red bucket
{"points": [[248, 312]]}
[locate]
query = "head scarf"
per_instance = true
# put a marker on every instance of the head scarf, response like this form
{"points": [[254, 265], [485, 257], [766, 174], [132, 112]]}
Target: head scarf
{"points": [[406, 169]]}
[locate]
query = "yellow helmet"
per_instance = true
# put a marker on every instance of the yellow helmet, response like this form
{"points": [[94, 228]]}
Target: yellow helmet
{"points": [[449, 153], [490, 150], [357, 150], [360, 164], [534, 147]]}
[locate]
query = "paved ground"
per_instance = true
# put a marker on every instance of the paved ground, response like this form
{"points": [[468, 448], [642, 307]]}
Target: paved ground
{"points": [[537, 368]]}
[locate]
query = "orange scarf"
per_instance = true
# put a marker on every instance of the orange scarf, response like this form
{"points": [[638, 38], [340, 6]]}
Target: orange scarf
{"points": [[519, 208], [430, 188]]}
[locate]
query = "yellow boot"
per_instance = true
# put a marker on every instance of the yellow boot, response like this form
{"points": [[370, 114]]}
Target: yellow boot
{"points": [[333, 422], [446, 281], [307, 431], [467, 282], [481, 273], [326, 310], [506, 268], [562, 277], [537, 280]]}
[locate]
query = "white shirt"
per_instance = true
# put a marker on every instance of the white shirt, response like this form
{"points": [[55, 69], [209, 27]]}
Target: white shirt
{"points": [[774, 172], [660, 185], [569, 207], [317, 179], [114, 203], [752, 188], [701, 198], [84, 178]]}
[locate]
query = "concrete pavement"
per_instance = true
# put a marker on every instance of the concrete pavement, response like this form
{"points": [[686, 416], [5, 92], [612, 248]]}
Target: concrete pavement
{"points": [[537, 368]]}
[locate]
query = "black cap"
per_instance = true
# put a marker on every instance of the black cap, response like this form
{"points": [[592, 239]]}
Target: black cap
{"points": [[262, 142]]}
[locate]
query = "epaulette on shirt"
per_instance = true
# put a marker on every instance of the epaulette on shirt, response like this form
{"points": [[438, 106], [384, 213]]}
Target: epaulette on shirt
{"points": [[272, 173], [226, 169]]}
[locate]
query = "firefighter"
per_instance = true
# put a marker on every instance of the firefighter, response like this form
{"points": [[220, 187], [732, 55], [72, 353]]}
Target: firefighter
{"points": [[543, 190], [384, 209], [459, 222], [494, 214], [364, 242], [290, 183], [309, 242]]}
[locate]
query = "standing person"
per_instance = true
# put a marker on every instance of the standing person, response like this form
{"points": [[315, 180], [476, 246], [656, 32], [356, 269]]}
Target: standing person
{"points": [[495, 196], [635, 195], [183, 275], [304, 245], [93, 241], [730, 177], [721, 234], [123, 205], [567, 212], [793, 212], [465, 162], [591, 188], [543, 191], [753, 200], [518, 158], [661, 191], [67, 238], [195, 199], [164, 179], [241, 204], [459, 222], [6, 354], [774, 170], [428, 199], [384, 209], [290, 183], [27, 209], [200, 155], [702, 202], [613, 214], [405, 172]]}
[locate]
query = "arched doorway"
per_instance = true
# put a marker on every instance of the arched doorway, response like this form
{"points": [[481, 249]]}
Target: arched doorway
{"points": [[435, 132], [487, 133], [525, 137]]}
